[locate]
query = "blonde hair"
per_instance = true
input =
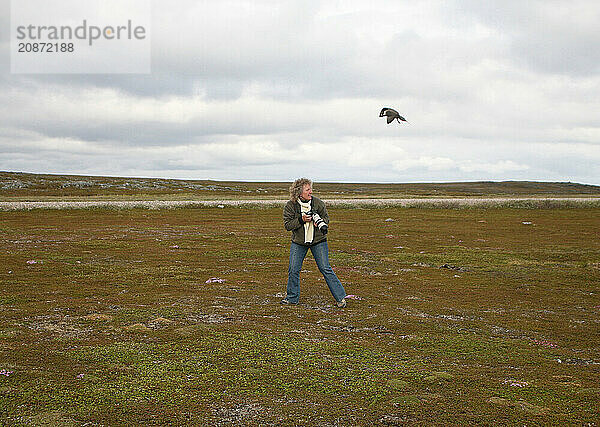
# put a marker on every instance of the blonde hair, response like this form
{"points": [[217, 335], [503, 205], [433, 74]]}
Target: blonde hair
{"points": [[297, 187]]}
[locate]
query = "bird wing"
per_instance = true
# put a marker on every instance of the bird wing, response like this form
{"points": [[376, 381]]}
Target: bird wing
{"points": [[390, 119]]}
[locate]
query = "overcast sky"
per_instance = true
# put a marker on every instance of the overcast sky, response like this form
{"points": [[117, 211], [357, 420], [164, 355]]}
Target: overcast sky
{"points": [[274, 90]]}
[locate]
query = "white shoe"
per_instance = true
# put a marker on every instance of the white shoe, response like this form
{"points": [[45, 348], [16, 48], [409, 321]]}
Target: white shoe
{"points": [[341, 303]]}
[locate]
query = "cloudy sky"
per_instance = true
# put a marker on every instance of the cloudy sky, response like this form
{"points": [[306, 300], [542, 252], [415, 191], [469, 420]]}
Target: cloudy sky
{"points": [[273, 90]]}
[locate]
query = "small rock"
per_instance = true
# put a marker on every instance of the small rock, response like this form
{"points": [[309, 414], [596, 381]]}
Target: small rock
{"points": [[420, 264], [453, 267]]}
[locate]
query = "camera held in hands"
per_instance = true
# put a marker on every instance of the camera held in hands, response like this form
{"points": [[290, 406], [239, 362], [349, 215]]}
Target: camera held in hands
{"points": [[319, 222]]}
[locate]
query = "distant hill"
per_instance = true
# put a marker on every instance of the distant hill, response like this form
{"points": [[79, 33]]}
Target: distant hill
{"points": [[17, 185]]}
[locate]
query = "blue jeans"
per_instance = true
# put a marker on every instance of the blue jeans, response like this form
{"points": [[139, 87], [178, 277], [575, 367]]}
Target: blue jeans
{"points": [[320, 252]]}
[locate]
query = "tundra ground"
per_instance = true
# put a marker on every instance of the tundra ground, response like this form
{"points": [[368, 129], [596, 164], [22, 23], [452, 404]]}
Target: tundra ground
{"points": [[461, 316]]}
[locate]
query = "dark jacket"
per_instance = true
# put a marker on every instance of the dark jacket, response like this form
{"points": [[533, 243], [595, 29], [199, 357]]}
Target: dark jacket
{"points": [[292, 220]]}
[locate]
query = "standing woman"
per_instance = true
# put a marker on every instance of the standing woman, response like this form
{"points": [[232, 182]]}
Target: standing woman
{"points": [[306, 217]]}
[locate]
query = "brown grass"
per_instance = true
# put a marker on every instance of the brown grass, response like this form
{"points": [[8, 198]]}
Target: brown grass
{"points": [[107, 319]]}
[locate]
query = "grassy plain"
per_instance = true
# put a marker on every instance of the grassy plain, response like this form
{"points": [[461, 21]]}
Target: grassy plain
{"points": [[465, 316]]}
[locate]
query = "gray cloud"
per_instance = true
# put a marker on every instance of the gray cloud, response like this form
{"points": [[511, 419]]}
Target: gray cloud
{"points": [[549, 36], [244, 90]]}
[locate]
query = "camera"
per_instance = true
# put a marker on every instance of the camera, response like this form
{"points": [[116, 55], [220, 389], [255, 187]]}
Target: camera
{"points": [[319, 222]]}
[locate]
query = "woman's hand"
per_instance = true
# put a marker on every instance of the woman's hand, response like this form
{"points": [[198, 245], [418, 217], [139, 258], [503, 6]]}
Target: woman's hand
{"points": [[306, 218]]}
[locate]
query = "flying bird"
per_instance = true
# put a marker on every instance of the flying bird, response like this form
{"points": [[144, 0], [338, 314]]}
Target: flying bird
{"points": [[391, 114]]}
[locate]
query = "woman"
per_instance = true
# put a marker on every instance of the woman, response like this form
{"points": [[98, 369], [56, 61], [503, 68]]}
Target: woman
{"points": [[306, 217]]}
